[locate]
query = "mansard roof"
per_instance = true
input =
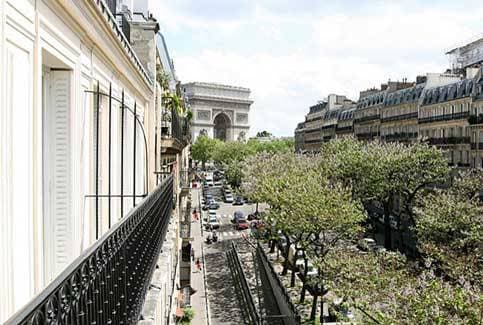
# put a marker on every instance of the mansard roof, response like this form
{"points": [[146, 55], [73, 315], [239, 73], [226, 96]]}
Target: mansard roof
{"points": [[371, 100], [347, 114], [404, 96], [317, 107], [460, 89]]}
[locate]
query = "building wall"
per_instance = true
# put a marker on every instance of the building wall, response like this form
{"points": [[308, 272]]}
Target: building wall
{"points": [[38, 37]]}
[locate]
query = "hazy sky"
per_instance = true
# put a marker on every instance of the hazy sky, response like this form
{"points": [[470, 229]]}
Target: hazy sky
{"points": [[293, 53]]}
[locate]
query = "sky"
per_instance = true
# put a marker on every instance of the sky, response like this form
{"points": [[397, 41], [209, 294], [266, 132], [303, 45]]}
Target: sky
{"points": [[292, 53]]}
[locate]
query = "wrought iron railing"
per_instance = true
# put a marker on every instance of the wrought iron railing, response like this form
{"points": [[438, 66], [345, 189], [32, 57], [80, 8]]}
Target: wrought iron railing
{"points": [[450, 140], [445, 117], [175, 126], [406, 116], [367, 118], [401, 136], [241, 282], [107, 283], [344, 128]]}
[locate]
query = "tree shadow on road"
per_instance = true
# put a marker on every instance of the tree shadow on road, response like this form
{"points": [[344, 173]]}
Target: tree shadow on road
{"points": [[224, 300]]}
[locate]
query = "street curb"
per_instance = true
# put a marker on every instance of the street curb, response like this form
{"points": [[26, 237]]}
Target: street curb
{"points": [[207, 304]]}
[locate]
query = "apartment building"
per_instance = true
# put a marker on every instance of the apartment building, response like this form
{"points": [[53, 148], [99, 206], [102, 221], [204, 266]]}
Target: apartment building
{"points": [[313, 126], [399, 115], [443, 119], [345, 123], [79, 152], [367, 116]]}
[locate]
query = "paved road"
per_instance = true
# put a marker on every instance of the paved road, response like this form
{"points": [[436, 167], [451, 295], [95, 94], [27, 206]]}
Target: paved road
{"points": [[223, 300]]}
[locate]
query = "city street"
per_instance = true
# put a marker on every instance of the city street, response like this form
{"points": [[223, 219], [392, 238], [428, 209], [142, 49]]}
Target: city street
{"points": [[224, 306]]}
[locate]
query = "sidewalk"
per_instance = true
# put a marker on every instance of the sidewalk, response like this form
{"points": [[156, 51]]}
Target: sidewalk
{"points": [[198, 300]]}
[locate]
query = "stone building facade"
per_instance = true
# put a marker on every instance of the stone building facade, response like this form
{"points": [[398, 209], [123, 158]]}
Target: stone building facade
{"points": [[446, 110], [219, 111]]}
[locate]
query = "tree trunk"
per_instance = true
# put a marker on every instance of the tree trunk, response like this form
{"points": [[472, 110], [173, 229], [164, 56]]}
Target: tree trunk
{"points": [[304, 286], [292, 278], [256, 209], [313, 311], [322, 309], [272, 245], [285, 261], [387, 227], [203, 164]]}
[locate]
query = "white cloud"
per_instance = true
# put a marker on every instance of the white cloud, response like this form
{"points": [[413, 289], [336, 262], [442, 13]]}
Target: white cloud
{"points": [[289, 61]]}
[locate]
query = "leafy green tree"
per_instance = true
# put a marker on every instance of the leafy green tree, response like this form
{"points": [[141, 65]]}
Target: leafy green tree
{"points": [[450, 234], [202, 150], [312, 214], [386, 173], [384, 288], [263, 134]]}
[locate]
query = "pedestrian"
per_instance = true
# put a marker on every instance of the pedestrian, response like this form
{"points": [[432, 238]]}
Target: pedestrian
{"points": [[198, 264], [192, 254]]}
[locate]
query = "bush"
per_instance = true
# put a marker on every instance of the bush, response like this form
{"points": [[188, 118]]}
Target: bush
{"points": [[188, 316]]}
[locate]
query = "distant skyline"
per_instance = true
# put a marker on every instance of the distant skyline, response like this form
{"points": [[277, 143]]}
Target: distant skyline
{"points": [[293, 53]]}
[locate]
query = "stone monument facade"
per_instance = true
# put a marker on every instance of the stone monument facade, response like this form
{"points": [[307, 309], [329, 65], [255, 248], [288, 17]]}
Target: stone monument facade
{"points": [[219, 111]]}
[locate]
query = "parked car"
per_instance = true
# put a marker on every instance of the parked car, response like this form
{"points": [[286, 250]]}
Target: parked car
{"points": [[238, 201], [218, 183], [228, 198], [214, 205], [210, 214], [366, 244], [213, 222], [241, 224], [238, 215]]}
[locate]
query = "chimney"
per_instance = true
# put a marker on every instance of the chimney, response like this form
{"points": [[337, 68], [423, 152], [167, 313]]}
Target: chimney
{"points": [[142, 36]]}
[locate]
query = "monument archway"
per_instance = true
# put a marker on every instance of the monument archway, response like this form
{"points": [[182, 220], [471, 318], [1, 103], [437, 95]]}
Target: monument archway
{"points": [[222, 127]]}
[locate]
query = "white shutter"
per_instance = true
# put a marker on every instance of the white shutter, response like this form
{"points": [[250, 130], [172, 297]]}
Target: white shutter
{"points": [[58, 218]]}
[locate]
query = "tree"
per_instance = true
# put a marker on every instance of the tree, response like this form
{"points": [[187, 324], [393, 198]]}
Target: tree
{"points": [[386, 289], [385, 173], [450, 232], [263, 134], [203, 148], [312, 214]]}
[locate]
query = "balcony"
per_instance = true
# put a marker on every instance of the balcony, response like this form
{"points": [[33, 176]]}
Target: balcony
{"points": [[108, 282], [476, 146], [175, 132], [367, 118], [367, 135], [449, 140], [446, 117], [185, 181], [401, 136], [400, 117], [344, 129]]}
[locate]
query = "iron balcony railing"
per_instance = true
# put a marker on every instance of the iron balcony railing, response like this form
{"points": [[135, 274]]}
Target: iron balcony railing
{"points": [[367, 135], [108, 282], [450, 140], [367, 118], [400, 117], [344, 128], [475, 146], [175, 126], [400, 136], [445, 117]]}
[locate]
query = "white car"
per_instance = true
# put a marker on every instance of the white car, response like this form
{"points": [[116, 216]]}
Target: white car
{"points": [[208, 215], [209, 182], [213, 222], [218, 183], [228, 198]]}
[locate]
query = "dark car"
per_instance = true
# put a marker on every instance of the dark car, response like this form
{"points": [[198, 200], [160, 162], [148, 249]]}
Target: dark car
{"points": [[214, 206], [238, 201]]}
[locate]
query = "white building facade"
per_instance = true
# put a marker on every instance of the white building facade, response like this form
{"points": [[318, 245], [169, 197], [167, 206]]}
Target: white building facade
{"points": [[219, 111], [62, 138]]}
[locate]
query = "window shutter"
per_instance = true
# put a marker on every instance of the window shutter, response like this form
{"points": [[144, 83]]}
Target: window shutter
{"points": [[59, 219]]}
